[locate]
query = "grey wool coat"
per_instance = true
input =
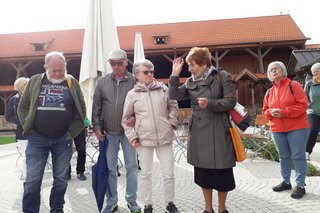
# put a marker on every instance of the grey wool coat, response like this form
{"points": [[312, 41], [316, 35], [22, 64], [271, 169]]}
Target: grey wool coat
{"points": [[210, 144]]}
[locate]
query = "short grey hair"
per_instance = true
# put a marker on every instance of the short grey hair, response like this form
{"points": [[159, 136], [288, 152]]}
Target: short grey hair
{"points": [[20, 84], [315, 67], [278, 64], [54, 54], [142, 62]]}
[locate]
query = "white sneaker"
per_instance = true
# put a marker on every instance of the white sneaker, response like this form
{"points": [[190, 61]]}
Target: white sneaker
{"points": [[307, 156]]}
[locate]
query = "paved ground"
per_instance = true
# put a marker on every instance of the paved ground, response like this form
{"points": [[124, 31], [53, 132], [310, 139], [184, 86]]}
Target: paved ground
{"points": [[252, 194]]}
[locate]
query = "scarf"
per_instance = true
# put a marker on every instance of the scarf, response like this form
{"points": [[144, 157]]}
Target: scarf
{"points": [[204, 75]]}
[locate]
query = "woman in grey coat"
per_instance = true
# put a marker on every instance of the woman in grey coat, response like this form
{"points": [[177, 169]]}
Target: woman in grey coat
{"points": [[210, 148]]}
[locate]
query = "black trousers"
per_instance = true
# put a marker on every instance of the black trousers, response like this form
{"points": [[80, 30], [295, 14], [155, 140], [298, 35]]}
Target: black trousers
{"points": [[314, 121], [80, 143]]}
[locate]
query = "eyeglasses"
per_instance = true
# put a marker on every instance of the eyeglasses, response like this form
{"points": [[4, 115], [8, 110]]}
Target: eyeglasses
{"points": [[146, 72], [274, 69], [113, 63]]}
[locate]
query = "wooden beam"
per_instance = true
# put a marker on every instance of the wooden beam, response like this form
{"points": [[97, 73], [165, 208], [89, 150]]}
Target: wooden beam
{"points": [[20, 67]]}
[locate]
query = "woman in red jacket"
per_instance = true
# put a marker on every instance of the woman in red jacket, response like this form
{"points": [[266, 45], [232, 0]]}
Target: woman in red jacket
{"points": [[285, 105]]}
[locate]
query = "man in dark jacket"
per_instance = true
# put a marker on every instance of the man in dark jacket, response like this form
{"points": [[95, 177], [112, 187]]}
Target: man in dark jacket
{"points": [[52, 114], [108, 102]]}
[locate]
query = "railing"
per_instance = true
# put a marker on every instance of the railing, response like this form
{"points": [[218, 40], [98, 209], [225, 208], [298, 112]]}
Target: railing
{"points": [[5, 125]]}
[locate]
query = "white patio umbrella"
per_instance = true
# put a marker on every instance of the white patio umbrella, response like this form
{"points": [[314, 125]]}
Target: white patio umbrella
{"points": [[138, 47], [100, 37]]}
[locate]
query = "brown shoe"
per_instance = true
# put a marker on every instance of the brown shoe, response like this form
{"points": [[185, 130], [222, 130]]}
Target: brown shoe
{"points": [[298, 192]]}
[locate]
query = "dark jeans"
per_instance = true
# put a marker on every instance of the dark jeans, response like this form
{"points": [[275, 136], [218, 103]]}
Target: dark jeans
{"points": [[80, 142], [314, 121]]}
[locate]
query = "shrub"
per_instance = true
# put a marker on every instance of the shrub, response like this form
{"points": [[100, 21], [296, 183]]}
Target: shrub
{"points": [[312, 170], [271, 147]]}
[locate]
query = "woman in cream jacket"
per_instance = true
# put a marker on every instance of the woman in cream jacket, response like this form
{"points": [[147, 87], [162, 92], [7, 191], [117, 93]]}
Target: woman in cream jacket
{"points": [[155, 118]]}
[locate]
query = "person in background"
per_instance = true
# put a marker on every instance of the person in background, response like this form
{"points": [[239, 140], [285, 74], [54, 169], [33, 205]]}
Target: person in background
{"points": [[210, 147], [80, 143], [52, 114], [107, 111], [312, 89], [285, 105], [12, 117], [155, 117]]}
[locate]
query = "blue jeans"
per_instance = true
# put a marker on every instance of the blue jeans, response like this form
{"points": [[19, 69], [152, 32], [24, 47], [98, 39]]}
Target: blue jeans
{"points": [[37, 153], [131, 164], [292, 145]]}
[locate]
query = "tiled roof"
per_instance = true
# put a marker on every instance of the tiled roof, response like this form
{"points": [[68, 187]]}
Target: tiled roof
{"points": [[19, 44], [313, 46], [265, 29], [224, 33]]}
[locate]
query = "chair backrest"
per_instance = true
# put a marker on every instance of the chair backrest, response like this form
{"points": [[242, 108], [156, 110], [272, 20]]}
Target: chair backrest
{"points": [[184, 115], [261, 120]]}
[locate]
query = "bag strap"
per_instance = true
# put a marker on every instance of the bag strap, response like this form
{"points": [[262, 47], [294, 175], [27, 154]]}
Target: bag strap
{"points": [[308, 85], [69, 81], [218, 69], [290, 87]]}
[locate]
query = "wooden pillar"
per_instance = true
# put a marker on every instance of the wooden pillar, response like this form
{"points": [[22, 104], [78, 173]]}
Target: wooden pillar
{"points": [[252, 98], [5, 98]]}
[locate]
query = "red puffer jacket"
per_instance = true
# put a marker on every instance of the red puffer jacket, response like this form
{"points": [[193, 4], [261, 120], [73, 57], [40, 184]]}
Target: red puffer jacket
{"points": [[293, 105]]}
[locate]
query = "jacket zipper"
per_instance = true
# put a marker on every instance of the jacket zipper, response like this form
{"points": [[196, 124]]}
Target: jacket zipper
{"points": [[154, 119], [116, 107]]}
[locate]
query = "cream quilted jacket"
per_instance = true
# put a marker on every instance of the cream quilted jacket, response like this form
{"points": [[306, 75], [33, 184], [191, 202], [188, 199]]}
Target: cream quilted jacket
{"points": [[155, 115]]}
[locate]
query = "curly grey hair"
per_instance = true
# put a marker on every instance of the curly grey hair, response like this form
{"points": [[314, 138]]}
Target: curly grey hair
{"points": [[142, 62], [315, 67]]}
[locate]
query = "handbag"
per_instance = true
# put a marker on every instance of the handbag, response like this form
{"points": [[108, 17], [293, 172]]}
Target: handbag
{"points": [[240, 117], [238, 114], [237, 144]]}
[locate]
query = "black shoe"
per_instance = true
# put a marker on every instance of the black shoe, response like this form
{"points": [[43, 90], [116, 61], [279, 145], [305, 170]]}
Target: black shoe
{"points": [[81, 177], [58, 211], [139, 168], [118, 171], [282, 186], [298, 192], [171, 208], [225, 211], [205, 211], [148, 209]]}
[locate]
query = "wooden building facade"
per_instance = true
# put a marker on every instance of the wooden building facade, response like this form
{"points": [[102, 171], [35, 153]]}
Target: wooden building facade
{"points": [[243, 46]]}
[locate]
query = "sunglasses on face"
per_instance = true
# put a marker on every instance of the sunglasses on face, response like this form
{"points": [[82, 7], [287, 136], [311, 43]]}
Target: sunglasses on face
{"points": [[146, 72], [113, 64]]}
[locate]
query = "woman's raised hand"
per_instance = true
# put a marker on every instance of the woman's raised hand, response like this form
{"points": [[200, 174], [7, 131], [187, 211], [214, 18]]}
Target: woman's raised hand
{"points": [[177, 65]]}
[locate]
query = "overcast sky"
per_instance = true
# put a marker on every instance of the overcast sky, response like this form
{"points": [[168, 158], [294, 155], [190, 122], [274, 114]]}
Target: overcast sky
{"points": [[42, 15]]}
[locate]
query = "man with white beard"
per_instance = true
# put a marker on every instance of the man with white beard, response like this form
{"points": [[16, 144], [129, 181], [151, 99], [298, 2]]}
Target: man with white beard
{"points": [[52, 112]]}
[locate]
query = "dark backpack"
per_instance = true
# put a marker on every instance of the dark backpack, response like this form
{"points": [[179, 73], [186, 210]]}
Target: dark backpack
{"points": [[290, 87]]}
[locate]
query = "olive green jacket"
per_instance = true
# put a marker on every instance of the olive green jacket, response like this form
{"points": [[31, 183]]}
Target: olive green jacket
{"points": [[28, 105]]}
